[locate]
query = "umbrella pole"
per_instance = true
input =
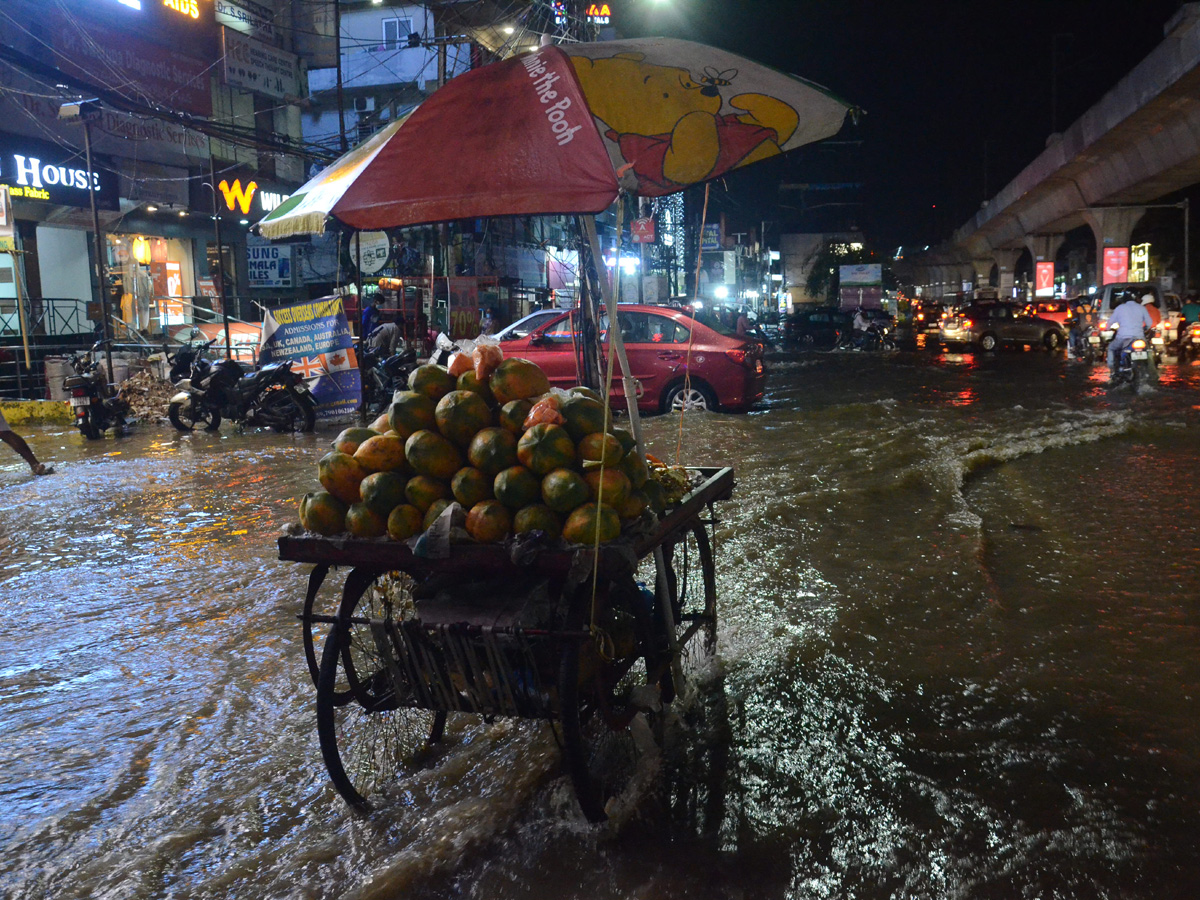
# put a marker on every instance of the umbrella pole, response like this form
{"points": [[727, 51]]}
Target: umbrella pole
{"points": [[635, 423]]}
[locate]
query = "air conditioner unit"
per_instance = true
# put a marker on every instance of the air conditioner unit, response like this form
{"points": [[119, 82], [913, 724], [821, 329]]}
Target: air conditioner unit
{"points": [[364, 104]]}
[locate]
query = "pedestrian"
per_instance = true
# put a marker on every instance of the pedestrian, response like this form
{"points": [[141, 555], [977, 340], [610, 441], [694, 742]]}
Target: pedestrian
{"points": [[743, 323], [17, 442], [370, 318], [488, 324]]}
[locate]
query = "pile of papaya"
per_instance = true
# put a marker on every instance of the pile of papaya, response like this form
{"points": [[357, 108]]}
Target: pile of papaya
{"points": [[495, 438]]}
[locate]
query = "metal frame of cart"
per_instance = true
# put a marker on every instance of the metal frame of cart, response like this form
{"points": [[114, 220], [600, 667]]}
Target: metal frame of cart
{"points": [[556, 638]]}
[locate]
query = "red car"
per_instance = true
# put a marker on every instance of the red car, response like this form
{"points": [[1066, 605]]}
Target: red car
{"points": [[727, 370]]}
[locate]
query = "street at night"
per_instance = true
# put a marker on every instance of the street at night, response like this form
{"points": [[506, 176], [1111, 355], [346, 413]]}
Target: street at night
{"points": [[956, 654]]}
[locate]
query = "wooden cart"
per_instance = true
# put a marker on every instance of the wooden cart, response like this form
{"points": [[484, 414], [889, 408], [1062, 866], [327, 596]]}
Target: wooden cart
{"points": [[490, 632]]}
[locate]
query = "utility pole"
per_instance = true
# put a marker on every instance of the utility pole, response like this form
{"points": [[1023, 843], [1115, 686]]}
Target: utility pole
{"points": [[341, 105]]}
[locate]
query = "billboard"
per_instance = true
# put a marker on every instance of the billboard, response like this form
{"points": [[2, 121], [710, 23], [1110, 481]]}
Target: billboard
{"points": [[1043, 284], [1116, 265], [316, 338], [861, 285]]}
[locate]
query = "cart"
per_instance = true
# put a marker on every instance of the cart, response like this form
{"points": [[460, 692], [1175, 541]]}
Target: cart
{"points": [[586, 642]]}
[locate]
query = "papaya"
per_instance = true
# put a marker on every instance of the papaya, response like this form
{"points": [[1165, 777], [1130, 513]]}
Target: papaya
{"points": [[538, 517], [513, 415], [323, 513], [600, 447], [403, 522], [383, 491], [616, 486], [460, 414], [364, 522], [468, 381], [628, 442], [381, 425], [434, 381], [516, 487], [382, 453], [411, 412], [341, 474], [349, 440], [583, 416], [489, 522], [470, 486], [633, 464], [517, 379], [435, 509], [564, 489], [581, 524], [423, 491], [492, 450], [633, 505], [430, 454], [544, 448]]}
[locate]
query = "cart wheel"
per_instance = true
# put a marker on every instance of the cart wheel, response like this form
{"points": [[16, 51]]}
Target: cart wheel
{"points": [[368, 735], [692, 586], [315, 580], [598, 697]]}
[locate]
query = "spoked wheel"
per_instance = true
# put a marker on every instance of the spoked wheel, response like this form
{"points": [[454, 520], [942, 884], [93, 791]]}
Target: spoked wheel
{"points": [[285, 410], [691, 588], [600, 694], [186, 415], [369, 733]]}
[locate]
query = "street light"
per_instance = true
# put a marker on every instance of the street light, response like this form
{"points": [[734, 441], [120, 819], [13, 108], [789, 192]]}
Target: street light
{"points": [[86, 112]]}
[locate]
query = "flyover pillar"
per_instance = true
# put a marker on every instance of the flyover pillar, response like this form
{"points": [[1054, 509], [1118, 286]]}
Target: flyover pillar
{"points": [[1113, 227], [1006, 262], [982, 271], [1044, 247]]}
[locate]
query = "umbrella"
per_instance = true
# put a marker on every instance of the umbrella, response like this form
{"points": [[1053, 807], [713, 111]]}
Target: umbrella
{"points": [[563, 130]]}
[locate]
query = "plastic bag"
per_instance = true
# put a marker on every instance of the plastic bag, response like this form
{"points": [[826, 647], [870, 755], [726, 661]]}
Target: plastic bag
{"points": [[546, 411], [487, 356]]}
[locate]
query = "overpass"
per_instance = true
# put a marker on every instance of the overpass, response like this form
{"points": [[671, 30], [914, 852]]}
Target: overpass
{"points": [[1140, 142]]}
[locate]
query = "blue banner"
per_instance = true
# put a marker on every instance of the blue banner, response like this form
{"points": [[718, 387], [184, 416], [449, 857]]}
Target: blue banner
{"points": [[316, 337]]}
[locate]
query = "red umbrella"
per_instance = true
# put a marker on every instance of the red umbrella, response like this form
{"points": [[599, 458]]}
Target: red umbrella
{"points": [[563, 130]]}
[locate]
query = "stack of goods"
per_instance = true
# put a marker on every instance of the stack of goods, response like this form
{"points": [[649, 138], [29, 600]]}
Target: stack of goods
{"points": [[490, 434]]}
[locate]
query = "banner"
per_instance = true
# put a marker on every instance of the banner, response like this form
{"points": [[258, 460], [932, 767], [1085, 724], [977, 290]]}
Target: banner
{"points": [[1116, 265], [316, 338], [1043, 285]]}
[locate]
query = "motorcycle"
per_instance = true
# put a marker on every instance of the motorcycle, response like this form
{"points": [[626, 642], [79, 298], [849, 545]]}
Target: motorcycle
{"points": [[382, 377], [873, 338], [183, 359], [1189, 342], [272, 397], [96, 405], [1133, 365]]}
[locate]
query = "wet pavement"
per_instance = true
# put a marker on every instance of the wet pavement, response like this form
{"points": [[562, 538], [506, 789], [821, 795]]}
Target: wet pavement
{"points": [[958, 659]]}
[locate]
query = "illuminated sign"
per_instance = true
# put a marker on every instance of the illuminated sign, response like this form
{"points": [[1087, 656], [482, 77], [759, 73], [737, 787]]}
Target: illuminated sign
{"points": [[132, 4], [1116, 265], [1044, 280], [1139, 262], [183, 7], [39, 170], [236, 197], [596, 13]]}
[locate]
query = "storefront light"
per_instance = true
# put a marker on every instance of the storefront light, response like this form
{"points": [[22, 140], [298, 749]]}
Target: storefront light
{"points": [[141, 250]]}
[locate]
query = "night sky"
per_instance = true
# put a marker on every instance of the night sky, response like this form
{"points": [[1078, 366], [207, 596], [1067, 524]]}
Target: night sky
{"points": [[958, 97]]}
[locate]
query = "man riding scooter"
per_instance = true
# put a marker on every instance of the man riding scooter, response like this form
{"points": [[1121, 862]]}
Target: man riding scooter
{"points": [[1131, 321]]}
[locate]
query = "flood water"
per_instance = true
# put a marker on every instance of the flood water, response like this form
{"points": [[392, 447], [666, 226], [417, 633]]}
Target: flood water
{"points": [[959, 657]]}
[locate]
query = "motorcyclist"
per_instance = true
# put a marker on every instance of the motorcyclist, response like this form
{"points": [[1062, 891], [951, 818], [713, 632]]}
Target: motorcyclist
{"points": [[1082, 321], [1130, 320]]}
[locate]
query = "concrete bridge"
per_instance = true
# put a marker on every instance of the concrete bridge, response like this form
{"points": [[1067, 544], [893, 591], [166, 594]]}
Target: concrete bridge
{"points": [[1140, 142]]}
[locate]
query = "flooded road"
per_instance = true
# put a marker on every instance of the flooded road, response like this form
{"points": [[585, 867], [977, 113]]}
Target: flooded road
{"points": [[960, 653]]}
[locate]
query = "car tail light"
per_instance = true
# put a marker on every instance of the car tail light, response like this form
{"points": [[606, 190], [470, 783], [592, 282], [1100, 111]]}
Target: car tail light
{"points": [[758, 367], [967, 323], [1139, 344], [920, 317], [740, 356]]}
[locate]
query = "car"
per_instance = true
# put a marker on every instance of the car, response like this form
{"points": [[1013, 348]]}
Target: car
{"points": [[988, 326], [727, 371], [818, 327], [927, 317], [1111, 296], [1055, 310], [523, 326]]}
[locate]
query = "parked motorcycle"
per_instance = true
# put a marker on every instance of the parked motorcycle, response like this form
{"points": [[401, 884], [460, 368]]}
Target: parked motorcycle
{"points": [[1189, 342], [272, 397], [382, 377], [187, 356], [96, 405]]}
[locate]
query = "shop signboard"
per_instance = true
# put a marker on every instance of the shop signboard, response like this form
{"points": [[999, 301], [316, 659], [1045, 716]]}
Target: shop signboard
{"points": [[369, 250], [642, 230], [103, 55], [49, 172], [255, 66], [247, 17], [7, 233], [316, 337], [1116, 265], [270, 265], [711, 239]]}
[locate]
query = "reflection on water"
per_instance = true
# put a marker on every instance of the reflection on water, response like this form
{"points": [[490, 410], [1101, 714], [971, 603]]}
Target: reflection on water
{"points": [[958, 651]]}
